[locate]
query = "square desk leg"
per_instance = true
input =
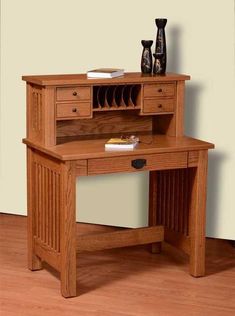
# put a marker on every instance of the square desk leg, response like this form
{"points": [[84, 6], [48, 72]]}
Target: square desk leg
{"points": [[153, 220], [68, 230], [34, 262], [197, 216]]}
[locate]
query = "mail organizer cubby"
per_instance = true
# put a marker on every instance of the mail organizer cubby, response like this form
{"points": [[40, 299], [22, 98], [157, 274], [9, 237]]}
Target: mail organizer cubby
{"points": [[116, 97]]}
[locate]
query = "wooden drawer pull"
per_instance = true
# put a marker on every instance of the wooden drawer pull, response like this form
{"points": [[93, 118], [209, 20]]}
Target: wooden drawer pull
{"points": [[74, 110], [159, 90], [75, 93], [138, 163], [160, 106]]}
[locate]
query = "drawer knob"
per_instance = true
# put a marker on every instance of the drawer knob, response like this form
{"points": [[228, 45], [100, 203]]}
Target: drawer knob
{"points": [[138, 163], [159, 90], [75, 93], [160, 106], [74, 110]]}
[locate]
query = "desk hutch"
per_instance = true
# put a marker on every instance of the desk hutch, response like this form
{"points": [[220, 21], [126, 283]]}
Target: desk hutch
{"points": [[69, 119]]}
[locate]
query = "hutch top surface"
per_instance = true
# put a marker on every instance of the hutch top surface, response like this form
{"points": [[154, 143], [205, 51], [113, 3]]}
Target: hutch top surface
{"points": [[129, 77]]}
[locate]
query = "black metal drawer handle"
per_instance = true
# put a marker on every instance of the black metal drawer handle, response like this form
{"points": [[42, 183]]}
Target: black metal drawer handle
{"points": [[138, 163]]}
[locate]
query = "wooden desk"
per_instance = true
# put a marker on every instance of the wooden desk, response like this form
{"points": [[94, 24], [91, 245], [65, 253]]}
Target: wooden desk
{"points": [[69, 119]]}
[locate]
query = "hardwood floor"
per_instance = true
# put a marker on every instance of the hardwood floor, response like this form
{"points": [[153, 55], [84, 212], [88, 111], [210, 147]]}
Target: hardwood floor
{"points": [[121, 282]]}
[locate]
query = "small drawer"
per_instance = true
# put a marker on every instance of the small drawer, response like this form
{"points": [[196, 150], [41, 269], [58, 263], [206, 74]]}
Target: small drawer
{"points": [[158, 105], [137, 163], [71, 110], [159, 90], [73, 93]]}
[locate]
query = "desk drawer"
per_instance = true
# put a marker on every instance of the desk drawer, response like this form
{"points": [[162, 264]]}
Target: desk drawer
{"points": [[73, 110], [129, 163], [73, 93], [159, 90], [158, 105]]}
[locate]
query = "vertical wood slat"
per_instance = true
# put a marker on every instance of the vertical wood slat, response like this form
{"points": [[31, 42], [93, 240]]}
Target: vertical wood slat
{"points": [[47, 210], [58, 213], [173, 200]]}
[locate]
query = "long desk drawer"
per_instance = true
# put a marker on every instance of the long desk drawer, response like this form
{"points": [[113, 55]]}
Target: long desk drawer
{"points": [[137, 163]]}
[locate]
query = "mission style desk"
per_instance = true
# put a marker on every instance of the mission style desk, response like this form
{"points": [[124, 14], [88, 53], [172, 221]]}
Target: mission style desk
{"points": [[69, 119]]}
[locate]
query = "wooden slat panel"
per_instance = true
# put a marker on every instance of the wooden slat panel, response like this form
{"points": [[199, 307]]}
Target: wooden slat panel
{"points": [[124, 238], [47, 202], [47, 254], [177, 239], [173, 199]]}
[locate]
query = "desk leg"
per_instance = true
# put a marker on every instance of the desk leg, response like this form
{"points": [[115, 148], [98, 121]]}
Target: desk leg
{"points": [[68, 230], [155, 247], [34, 262], [198, 216]]}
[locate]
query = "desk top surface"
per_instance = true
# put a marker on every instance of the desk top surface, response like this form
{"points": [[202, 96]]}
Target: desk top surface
{"points": [[81, 79], [88, 148]]}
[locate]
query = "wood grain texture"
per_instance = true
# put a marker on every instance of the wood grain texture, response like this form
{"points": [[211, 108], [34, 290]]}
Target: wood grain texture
{"points": [[159, 90], [49, 127], [58, 151], [124, 164], [81, 79], [106, 122], [178, 240], [75, 93], [157, 106], [153, 211], [120, 238], [35, 119], [73, 110], [179, 109], [34, 262], [68, 230], [93, 147], [198, 216], [193, 158], [118, 282]]}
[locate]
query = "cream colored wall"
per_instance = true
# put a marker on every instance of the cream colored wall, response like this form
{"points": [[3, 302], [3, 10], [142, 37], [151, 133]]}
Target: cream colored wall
{"points": [[72, 36]]}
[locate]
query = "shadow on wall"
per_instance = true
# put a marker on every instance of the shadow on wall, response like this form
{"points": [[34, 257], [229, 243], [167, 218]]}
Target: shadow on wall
{"points": [[192, 126]]}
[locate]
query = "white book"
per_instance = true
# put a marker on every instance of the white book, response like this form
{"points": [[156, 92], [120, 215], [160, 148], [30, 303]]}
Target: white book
{"points": [[105, 73], [120, 144]]}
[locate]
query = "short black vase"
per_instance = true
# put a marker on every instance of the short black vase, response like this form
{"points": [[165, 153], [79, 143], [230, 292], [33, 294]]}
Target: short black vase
{"points": [[160, 48], [146, 59]]}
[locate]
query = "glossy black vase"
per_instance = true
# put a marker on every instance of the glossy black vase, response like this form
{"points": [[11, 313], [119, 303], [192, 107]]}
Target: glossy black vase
{"points": [[160, 48], [146, 59]]}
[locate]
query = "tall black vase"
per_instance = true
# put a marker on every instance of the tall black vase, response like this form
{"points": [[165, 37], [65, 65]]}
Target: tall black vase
{"points": [[146, 59], [160, 48]]}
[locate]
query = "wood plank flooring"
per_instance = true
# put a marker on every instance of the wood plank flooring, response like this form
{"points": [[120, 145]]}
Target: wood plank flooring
{"points": [[120, 282]]}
